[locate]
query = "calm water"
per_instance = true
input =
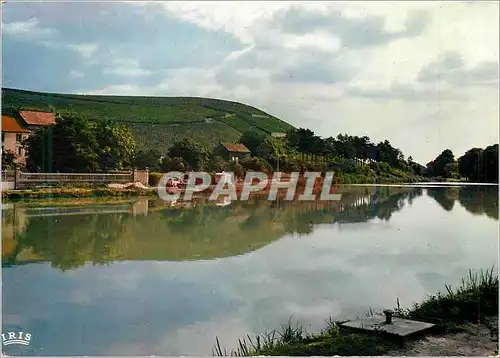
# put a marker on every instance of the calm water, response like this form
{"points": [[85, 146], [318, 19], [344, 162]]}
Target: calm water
{"points": [[144, 278]]}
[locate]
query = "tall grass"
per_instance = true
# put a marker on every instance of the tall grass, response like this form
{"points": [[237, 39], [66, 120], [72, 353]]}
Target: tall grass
{"points": [[475, 298]]}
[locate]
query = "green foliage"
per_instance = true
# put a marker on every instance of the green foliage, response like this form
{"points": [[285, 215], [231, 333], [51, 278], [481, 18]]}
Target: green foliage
{"points": [[74, 144], [194, 156], [115, 145], [156, 122], [480, 165], [70, 193], [154, 178], [169, 164], [217, 164], [256, 164], [443, 165], [147, 159], [476, 297], [252, 140], [8, 159]]}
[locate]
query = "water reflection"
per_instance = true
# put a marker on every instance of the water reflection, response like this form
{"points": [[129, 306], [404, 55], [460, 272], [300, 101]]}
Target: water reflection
{"points": [[177, 276], [70, 236]]}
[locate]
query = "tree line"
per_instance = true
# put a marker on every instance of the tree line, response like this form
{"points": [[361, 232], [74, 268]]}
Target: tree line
{"points": [[76, 144], [476, 165]]}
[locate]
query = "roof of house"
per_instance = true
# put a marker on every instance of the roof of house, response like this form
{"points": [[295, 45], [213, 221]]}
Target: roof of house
{"points": [[235, 147], [38, 118], [9, 124]]}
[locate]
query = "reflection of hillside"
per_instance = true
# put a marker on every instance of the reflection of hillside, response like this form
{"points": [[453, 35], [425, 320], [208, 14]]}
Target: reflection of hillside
{"points": [[480, 200], [199, 232]]}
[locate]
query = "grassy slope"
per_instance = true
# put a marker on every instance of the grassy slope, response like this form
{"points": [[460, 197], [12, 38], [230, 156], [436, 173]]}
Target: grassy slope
{"points": [[156, 122]]}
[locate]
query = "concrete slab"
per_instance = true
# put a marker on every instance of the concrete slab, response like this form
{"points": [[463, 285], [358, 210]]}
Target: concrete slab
{"points": [[398, 327]]}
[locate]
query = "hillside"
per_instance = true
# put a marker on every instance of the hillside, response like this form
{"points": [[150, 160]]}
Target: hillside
{"points": [[156, 122]]}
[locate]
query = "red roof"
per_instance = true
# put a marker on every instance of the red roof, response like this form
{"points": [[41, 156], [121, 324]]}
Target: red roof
{"points": [[10, 124], [38, 118], [236, 147]]}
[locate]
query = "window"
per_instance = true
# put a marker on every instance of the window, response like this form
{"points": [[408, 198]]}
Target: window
{"points": [[19, 138], [19, 151]]}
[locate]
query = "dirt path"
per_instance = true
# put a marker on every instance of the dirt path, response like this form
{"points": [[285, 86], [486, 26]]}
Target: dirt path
{"points": [[477, 340]]}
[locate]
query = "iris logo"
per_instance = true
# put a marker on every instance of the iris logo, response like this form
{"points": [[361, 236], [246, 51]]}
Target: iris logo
{"points": [[19, 338]]}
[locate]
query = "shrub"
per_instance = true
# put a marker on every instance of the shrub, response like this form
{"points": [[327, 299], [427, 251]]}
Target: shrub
{"points": [[154, 178], [256, 164]]}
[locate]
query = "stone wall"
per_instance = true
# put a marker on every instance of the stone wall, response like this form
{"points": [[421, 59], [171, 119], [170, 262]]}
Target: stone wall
{"points": [[141, 176]]}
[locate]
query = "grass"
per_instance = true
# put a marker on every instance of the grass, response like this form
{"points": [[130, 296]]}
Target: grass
{"points": [[156, 122], [26, 194], [473, 300]]}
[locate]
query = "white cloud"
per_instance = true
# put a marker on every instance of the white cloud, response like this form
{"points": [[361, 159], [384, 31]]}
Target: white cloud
{"points": [[126, 68], [27, 30], [332, 77], [384, 92], [76, 74], [85, 49]]}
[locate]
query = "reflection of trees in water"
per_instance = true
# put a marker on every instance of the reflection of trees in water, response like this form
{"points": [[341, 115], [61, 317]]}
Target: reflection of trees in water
{"points": [[480, 200], [477, 200], [445, 197], [382, 205], [208, 231], [70, 241]]}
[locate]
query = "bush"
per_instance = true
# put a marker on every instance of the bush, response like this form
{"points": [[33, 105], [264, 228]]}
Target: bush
{"points": [[154, 178], [256, 164]]}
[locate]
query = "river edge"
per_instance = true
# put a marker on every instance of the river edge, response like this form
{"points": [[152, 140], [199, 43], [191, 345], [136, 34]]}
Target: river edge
{"points": [[459, 329], [152, 191]]}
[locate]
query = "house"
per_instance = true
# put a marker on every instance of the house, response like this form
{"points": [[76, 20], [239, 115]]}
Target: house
{"points": [[13, 133], [18, 126], [278, 135], [34, 120], [234, 152]]}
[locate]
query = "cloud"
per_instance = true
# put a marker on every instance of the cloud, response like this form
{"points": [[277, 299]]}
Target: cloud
{"points": [[330, 66], [353, 32], [76, 74], [126, 68], [85, 49], [405, 92], [27, 30], [450, 68]]}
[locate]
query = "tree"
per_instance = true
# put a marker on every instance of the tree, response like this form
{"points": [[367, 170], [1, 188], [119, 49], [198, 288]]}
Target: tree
{"points": [[252, 140], [217, 164], [75, 144], [491, 164], [440, 167], [470, 164], [303, 140], [385, 152], [172, 164], [192, 154], [147, 159], [8, 159], [256, 164], [115, 144]]}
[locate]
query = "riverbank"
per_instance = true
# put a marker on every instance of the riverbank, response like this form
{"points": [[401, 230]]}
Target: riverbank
{"points": [[71, 192], [464, 317]]}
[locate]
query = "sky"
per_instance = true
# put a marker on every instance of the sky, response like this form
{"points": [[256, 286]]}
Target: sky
{"points": [[423, 75]]}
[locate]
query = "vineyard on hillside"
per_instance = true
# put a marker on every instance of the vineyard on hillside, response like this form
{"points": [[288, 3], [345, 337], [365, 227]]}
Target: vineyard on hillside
{"points": [[157, 122]]}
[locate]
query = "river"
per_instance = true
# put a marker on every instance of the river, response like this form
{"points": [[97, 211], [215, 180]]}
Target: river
{"points": [[144, 277]]}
